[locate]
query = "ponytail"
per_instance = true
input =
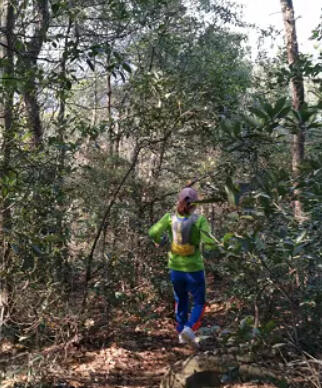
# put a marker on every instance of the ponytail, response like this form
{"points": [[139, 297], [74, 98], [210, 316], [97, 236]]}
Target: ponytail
{"points": [[184, 207]]}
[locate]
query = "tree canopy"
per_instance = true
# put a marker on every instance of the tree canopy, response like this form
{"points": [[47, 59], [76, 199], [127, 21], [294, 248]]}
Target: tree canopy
{"points": [[108, 109]]}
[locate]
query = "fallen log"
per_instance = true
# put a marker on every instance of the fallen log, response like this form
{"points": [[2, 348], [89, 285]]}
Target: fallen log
{"points": [[211, 369]]}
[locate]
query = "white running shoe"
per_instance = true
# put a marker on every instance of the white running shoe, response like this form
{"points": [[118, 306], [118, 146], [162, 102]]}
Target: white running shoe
{"points": [[188, 337], [181, 340]]}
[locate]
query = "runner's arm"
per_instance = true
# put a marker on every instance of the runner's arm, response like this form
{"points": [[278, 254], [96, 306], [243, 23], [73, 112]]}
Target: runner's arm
{"points": [[157, 230], [206, 238]]}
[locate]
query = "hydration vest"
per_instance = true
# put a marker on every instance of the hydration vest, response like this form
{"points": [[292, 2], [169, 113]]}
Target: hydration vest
{"points": [[181, 232]]}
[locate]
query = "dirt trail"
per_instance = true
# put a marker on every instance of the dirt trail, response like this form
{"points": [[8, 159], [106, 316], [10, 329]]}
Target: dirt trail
{"points": [[134, 354]]}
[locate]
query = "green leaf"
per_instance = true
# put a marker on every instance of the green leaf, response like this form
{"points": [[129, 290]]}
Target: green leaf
{"points": [[111, 67], [227, 237], [68, 84], [258, 113], [283, 112], [301, 237], [279, 105], [232, 192], [269, 109], [127, 67], [269, 326], [259, 244], [4, 191], [90, 64], [122, 76], [55, 8], [247, 217]]}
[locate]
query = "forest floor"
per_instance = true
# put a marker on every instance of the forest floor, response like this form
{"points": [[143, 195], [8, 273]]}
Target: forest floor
{"points": [[132, 354]]}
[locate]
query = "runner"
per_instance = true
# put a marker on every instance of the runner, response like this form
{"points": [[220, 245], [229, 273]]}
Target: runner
{"points": [[186, 232]]}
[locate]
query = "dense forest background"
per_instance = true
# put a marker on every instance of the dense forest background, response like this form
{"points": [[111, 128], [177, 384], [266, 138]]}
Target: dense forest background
{"points": [[108, 109]]}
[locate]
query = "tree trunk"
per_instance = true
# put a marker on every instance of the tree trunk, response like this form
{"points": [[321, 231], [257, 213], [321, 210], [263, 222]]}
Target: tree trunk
{"points": [[28, 62], [6, 104], [109, 115], [95, 97], [62, 267], [297, 89], [33, 111]]}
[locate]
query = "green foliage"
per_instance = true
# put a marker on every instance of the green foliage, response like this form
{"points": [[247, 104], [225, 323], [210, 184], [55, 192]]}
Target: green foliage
{"points": [[274, 261]]}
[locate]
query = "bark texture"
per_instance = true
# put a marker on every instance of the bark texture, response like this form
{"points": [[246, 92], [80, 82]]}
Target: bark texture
{"points": [[6, 108], [297, 90], [28, 60]]}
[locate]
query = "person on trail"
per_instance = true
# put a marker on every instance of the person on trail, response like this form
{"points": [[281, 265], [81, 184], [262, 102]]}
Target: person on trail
{"points": [[186, 232]]}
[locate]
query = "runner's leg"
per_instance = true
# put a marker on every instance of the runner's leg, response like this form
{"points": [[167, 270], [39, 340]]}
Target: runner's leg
{"points": [[181, 298], [197, 287]]}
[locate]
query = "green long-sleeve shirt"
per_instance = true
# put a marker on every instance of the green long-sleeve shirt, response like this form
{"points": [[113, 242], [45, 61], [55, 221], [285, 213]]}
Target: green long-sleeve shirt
{"points": [[200, 233]]}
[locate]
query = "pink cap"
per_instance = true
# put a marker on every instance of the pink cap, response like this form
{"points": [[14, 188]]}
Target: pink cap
{"points": [[188, 194]]}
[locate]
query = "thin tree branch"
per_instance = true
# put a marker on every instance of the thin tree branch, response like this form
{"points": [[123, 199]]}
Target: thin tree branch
{"points": [[105, 218]]}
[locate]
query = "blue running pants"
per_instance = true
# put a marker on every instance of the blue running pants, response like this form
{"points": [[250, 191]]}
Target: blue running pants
{"points": [[185, 283]]}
